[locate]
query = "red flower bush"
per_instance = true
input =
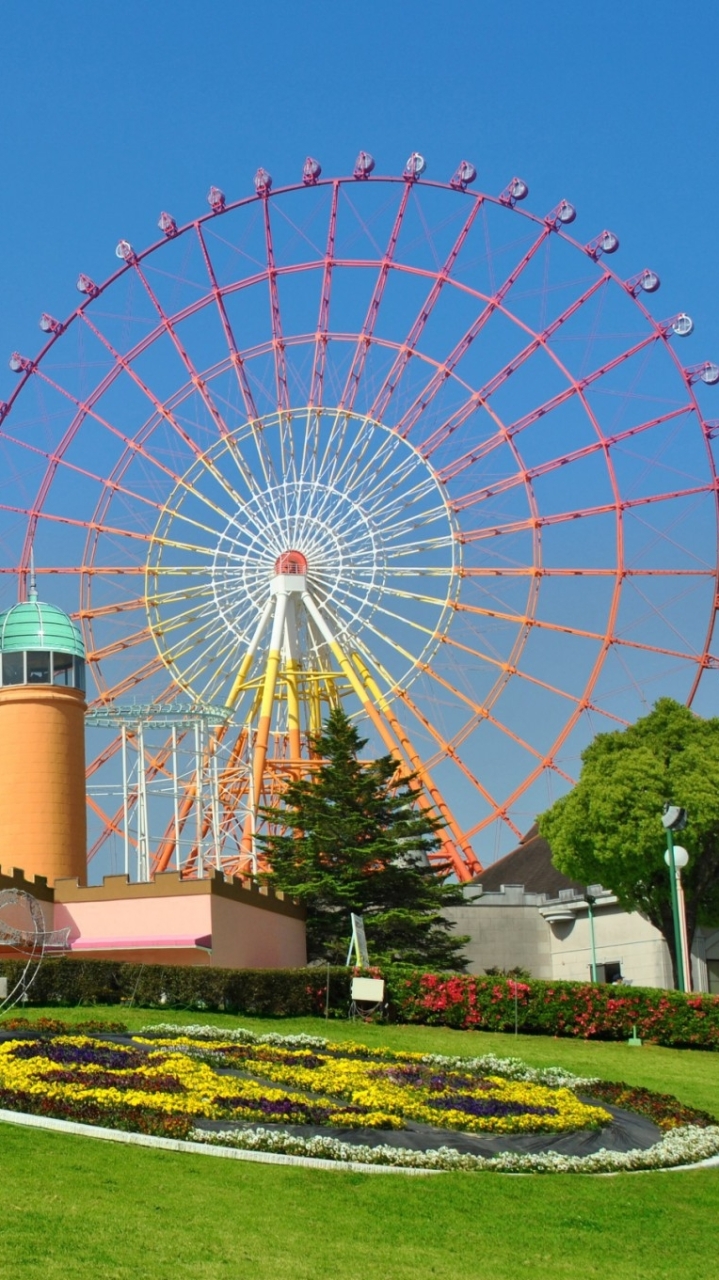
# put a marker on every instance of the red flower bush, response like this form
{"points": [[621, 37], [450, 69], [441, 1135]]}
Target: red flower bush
{"points": [[555, 1008]]}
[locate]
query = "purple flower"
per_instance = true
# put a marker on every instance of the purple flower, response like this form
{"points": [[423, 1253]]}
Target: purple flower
{"points": [[490, 1107], [111, 1059], [448, 1081]]}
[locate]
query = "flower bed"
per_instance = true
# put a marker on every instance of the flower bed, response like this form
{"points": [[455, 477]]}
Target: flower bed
{"points": [[181, 1082]]}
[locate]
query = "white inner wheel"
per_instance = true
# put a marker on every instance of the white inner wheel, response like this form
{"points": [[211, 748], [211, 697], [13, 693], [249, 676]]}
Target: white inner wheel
{"points": [[357, 503]]}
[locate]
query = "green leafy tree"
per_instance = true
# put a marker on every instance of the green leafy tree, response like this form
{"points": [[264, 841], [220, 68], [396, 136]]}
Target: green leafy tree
{"points": [[608, 830], [352, 839]]}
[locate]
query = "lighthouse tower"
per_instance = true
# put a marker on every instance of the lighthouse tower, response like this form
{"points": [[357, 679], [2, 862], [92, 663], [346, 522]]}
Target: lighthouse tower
{"points": [[43, 824]]}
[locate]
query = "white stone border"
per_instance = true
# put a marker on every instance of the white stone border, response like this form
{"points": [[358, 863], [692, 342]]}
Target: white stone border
{"points": [[198, 1148], [270, 1157]]}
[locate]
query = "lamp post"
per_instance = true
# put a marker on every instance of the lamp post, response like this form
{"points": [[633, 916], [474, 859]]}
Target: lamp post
{"points": [[681, 858], [675, 819], [590, 900]]}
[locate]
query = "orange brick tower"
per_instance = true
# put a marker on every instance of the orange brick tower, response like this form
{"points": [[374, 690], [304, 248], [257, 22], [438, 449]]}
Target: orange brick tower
{"points": [[43, 824]]}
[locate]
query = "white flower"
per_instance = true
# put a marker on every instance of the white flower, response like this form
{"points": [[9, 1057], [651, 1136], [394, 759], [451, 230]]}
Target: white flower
{"points": [[685, 1145]]}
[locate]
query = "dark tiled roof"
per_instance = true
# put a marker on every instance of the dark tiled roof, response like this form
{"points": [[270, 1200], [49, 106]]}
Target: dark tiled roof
{"points": [[529, 864]]}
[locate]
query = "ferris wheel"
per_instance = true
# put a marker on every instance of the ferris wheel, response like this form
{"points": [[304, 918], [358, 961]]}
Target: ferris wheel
{"points": [[379, 441]]}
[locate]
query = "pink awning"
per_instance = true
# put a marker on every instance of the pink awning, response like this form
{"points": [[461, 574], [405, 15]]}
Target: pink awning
{"points": [[140, 944]]}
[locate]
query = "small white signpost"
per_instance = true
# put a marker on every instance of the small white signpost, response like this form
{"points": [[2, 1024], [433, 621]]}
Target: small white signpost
{"points": [[358, 943], [364, 990]]}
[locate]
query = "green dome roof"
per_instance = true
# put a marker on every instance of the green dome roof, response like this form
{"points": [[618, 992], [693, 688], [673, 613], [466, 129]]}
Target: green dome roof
{"points": [[35, 625]]}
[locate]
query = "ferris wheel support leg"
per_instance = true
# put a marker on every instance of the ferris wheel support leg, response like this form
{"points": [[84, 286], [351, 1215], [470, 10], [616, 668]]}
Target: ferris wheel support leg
{"points": [[315, 706], [458, 850], [292, 672], [250, 653], [396, 748], [351, 676], [268, 697]]}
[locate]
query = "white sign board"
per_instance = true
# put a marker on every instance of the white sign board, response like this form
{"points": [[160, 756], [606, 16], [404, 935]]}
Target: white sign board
{"points": [[370, 990]]}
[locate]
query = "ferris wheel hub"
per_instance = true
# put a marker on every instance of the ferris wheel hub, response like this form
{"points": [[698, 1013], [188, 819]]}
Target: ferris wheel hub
{"points": [[291, 562]]}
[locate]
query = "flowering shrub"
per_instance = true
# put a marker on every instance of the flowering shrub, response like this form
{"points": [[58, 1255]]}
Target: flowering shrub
{"points": [[598, 1011], [602, 1012]]}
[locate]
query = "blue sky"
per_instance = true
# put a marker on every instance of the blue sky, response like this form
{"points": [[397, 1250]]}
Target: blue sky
{"points": [[113, 112]]}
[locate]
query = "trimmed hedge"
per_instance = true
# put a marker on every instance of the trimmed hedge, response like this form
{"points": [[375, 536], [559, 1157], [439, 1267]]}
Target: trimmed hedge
{"points": [[465, 1002], [280, 993], [601, 1012]]}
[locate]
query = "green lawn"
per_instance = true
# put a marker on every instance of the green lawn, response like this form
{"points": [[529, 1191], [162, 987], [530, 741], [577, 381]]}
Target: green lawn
{"points": [[73, 1206]]}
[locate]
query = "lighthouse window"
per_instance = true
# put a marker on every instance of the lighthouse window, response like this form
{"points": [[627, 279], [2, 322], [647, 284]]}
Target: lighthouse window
{"points": [[80, 674], [13, 668], [62, 668], [38, 668]]}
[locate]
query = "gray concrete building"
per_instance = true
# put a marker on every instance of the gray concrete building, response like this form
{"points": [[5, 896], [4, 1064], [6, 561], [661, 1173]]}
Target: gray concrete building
{"points": [[522, 912]]}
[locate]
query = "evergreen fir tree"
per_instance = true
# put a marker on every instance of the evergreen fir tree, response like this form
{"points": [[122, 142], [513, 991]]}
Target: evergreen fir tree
{"points": [[354, 840]]}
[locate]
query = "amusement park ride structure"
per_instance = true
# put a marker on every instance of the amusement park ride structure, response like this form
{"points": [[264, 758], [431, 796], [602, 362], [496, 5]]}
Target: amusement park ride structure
{"points": [[384, 442]]}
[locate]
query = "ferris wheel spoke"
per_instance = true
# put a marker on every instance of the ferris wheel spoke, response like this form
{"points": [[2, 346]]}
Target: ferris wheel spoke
{"points": [[108, 751], [536, 571], [478, 709], [603, 638], [425, 398], [106, 610], [546, 468], [448, 749], [404, 501], [191, 371], [519, 526], [348, 470], [508, 668], [133, 447], [116, 691], [58, 461], [209, 636], [238, 364], [202, 590], [354, 480], [575, 387], [359, 359], [201, 384], [320, 353], [278, 345], [381, 480], [511, 669], [539, 341], [237, 360], [163, 412], [110, 530], [381, 401], [452, 470], [146, 634], [119, 646]]}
